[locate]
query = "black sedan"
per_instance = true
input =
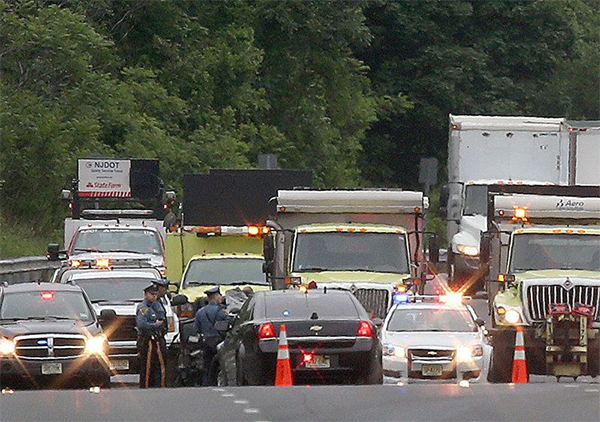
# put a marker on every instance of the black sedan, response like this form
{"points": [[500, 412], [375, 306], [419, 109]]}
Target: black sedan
{"points": [[331, 339], [49, 335]]}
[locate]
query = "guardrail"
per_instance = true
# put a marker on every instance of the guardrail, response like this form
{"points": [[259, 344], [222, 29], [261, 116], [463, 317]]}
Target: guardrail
{"points": [[27, 269]]}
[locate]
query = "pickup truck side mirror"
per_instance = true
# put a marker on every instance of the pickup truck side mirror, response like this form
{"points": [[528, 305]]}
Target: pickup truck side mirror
{"points": [[53, 252], [179, 300], [108, 315]]}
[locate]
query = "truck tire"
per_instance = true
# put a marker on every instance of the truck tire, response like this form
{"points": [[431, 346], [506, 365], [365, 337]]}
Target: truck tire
{"points": [[502, 357], [594, 357]]}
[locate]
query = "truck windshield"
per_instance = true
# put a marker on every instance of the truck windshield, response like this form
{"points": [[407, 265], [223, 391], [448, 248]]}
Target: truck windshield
{"points": [[555, 251], [476, 200], [45, 305], [333, 251], [117, 240], [454, 320], [224, 271]]}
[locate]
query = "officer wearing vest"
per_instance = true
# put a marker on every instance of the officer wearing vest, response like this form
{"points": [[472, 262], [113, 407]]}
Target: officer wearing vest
{"points": [[205, 321], [149, 327]]}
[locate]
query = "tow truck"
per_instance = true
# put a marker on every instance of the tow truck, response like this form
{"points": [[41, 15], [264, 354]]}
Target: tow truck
{"points": [[367, 240], [544, 258]]}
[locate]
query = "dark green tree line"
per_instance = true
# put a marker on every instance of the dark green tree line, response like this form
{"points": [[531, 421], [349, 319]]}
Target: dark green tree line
{"points": [[357, 91]]}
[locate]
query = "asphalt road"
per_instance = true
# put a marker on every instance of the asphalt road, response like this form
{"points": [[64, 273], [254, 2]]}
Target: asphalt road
{"points": [[439, 402]]}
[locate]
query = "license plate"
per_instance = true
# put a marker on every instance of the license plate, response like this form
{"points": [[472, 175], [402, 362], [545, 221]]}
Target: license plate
{"points": [[431, 370], [119, 365], [51, 368], [319, 362]]}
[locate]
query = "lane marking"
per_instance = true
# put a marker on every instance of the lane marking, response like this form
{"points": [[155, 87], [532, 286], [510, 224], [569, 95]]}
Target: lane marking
{"points": [[240, 401], [592, 390], [227, 395], [571, 385], [251, 411], [218, 389]]}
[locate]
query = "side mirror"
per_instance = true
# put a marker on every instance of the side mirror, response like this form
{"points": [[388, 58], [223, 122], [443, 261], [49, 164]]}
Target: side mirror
{"points": [[434, 249], [480, 322], [222, 326], [108, 315], [484, 248], [179, 300], [53, 252], [268, 247], [378, 322], [267, 267], [444, 198]]}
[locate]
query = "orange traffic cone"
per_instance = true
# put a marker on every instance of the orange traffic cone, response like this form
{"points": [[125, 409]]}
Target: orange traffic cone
{"points": [[283, 374], [519, 369]]}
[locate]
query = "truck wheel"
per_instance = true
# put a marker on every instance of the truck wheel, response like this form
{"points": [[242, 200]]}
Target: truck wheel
{"points": [[502, 357], [594, 357]]}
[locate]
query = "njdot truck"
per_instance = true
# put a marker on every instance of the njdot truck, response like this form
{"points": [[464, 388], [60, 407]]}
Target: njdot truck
{"points": [[219, 241], [367, 241], [544, 258], [99, 228], [487, 153]]}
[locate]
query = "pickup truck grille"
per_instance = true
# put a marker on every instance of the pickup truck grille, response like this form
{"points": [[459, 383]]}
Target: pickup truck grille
{"points": [[374, 300], [49, 346], [540, 297]]}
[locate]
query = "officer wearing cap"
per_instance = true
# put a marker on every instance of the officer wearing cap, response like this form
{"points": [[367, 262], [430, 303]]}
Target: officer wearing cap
{"points": [[152, 359], [205, 321]]}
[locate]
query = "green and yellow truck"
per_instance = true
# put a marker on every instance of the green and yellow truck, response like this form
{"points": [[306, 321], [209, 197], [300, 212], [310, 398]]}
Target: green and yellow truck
{"points": [[544, 258]]}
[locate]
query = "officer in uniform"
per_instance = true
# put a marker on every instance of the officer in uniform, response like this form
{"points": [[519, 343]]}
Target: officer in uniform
{"points": [[205, 321], [161, 313], [150, 326]]}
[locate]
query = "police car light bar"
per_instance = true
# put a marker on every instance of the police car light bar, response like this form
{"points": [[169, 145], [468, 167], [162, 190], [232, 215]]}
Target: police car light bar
{"points": [[519, 207], [351, 201]]}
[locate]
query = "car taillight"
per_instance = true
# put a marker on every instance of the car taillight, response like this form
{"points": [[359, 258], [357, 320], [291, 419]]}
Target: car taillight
{"points": [[364, 329], [266, 330]]}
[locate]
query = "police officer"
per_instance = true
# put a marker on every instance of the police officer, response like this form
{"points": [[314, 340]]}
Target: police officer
{"points": [[159, 307], [205, 321], [149, 327]]}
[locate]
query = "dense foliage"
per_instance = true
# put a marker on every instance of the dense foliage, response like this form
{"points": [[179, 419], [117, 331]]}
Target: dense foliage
{"points": [[358, 91]]}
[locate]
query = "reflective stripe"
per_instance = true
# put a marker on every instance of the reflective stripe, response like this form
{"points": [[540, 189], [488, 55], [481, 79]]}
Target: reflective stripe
{"points": [[519, 355], [148, 363], [163, 370]]}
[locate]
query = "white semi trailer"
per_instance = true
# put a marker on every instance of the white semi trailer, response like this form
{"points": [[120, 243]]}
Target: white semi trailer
{"points": [[502, 154]]}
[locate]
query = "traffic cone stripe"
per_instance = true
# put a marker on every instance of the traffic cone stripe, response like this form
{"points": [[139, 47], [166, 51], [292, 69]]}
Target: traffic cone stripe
{"points": [[519, 370], [283, 372]]}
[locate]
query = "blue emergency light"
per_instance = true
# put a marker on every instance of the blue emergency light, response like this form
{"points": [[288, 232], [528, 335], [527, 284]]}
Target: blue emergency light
{"points": [[400, 298]]}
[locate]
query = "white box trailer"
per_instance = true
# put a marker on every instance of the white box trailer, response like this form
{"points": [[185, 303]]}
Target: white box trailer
{"points": [[495, 150]]}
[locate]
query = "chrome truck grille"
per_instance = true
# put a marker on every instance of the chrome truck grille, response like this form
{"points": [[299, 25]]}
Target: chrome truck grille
{"points": [[537, 297], [47, 346], [375, 301], [432, 355]]}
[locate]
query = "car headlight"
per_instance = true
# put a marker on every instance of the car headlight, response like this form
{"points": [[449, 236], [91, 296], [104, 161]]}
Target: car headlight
{"points": [[468, 250], [466, 354], [393, 350], [95, 345], [7, 347]]}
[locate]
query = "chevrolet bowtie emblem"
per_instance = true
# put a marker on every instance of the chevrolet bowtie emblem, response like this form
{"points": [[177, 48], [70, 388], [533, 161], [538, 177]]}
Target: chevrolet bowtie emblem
{"points": [[316, 328], [432, 353]]}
